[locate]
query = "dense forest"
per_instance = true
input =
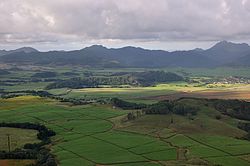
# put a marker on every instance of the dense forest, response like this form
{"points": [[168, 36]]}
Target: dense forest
{"points": [[133, 79], [152, 77], [235, 108]]}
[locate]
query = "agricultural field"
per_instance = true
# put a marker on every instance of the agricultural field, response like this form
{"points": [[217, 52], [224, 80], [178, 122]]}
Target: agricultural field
{"points": [[119, 83], [97, 133], [18, 137], [162, 92], [210, 83]]}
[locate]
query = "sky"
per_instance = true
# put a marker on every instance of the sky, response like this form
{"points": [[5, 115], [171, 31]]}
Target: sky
{"points": [[158, 24]]}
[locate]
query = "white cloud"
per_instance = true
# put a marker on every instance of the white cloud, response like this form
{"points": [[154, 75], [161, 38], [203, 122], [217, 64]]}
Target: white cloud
{"points": [[65, 21]]}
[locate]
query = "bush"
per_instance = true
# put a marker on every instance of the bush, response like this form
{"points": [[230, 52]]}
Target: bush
{"points": [[126, 105], [218, 117]]}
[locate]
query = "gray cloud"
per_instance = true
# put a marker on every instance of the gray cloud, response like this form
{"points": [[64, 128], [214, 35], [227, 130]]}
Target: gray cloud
{"points": [[52, 21]]}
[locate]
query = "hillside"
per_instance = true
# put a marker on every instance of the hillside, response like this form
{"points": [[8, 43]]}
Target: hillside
{"points": [[243, 61]]}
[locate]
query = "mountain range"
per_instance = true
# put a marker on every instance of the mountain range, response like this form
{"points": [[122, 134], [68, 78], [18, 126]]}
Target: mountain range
{"points": [[223, 53]]}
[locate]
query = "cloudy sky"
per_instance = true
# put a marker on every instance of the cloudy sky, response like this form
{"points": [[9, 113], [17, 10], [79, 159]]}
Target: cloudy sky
{"points": [[158, 24]]}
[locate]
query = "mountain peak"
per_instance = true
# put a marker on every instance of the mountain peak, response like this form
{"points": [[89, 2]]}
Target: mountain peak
{"points": [[25, 49], [198, 49], [226, 52], [226, 44], [132, 48], [22, 49], [96, 46]]}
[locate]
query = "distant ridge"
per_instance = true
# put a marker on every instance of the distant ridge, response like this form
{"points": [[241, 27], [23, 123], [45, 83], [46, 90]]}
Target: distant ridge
{"points": [[25, 49], [226, 52], [221, 54], [22, 49]]}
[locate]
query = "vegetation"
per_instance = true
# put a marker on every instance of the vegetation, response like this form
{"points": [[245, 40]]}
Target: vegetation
{"points": [[35, 150], [235, 108], [135, 79], [18, 138], [154, 77], [244, 126], [152, 121], [162, 107], [127, 105], [47, 74], [142, 140], [30, 92], [90, 82]]}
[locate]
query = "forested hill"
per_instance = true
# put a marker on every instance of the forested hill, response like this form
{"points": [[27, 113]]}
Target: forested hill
{"points": [[223, 53]]}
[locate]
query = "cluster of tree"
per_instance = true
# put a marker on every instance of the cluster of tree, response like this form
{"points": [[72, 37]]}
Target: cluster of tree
{"points": [[185, 109], [136, 79], [43, 132], [247, 137], [45, 74], [166, 107], [152, 77], [244, 126], [32, 151], [238, 109], [91, 82], [235, 108], [18, 154], [162, 107], [45, 158], [148, 78], [127, 105], [6, 95], [134, 115], [74, 101], [42, 156]]}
